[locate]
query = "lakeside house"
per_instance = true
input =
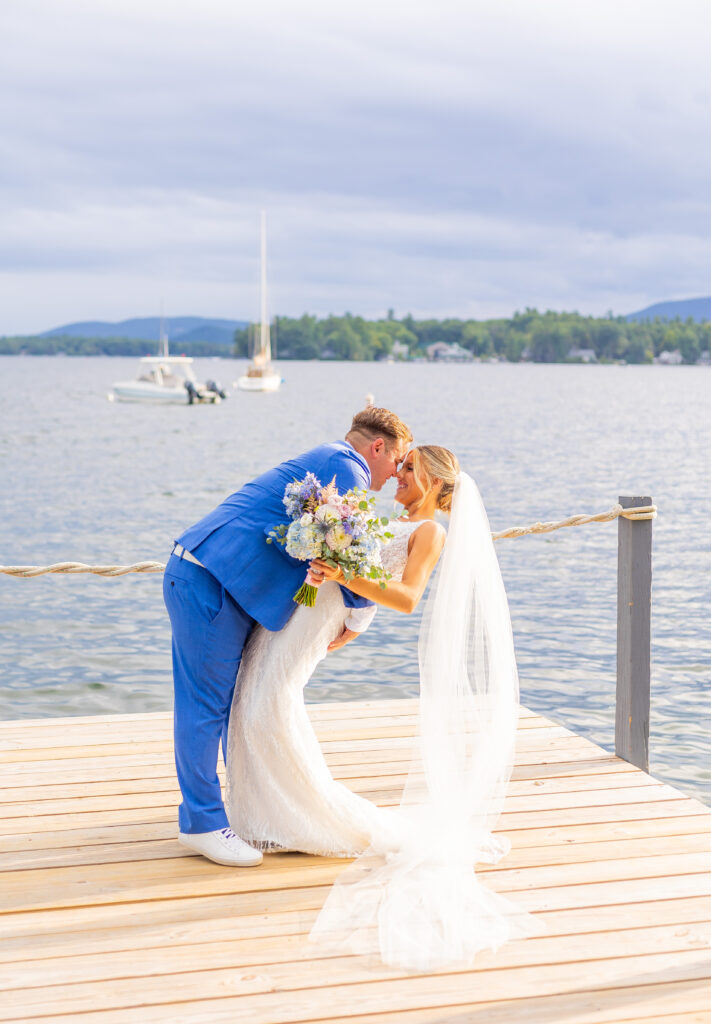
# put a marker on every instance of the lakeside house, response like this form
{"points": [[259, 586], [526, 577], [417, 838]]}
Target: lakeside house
{"points": [[581, 355], [674, 358], [441, 352], [400, 350]]}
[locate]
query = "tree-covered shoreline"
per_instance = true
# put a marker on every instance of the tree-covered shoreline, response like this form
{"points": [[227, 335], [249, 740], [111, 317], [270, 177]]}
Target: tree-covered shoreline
{"points": [[539, 337], [548, 337], [53, 345]]}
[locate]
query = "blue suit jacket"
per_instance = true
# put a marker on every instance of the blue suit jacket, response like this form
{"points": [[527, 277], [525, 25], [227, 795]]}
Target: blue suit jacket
{"points": [[231, 542]]}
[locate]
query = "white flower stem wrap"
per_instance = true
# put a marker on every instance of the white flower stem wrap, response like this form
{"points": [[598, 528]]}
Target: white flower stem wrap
{"points": [[413, 898]]}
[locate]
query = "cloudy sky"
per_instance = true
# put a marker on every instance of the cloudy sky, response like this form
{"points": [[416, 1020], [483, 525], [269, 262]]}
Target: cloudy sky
{"points": [[452, 157]]}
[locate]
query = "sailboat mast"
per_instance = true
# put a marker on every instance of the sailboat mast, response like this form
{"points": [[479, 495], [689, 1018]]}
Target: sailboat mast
{"points": [[261, 375], [163, 339], [264, 339]]}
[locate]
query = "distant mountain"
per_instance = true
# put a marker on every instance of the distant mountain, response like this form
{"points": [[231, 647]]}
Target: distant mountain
{"points": [[697, 309], [179, 329]]}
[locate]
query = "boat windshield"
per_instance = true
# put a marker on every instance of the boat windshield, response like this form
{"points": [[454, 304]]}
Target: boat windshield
{"points": [[167, 375]]}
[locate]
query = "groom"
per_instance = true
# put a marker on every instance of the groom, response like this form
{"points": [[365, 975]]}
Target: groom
{"points": [[221, 578]]}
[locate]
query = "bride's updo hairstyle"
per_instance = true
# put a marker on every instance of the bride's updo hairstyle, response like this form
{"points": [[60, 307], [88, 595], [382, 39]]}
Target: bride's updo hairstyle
{"points": [[430, 463]]}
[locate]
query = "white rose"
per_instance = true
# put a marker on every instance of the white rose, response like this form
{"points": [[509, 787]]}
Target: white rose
{"points": [[327, 514], [337, 539]]}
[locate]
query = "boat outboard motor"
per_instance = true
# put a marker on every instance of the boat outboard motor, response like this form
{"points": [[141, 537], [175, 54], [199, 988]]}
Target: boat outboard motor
{"points": [[193, 395], [212, 386]]}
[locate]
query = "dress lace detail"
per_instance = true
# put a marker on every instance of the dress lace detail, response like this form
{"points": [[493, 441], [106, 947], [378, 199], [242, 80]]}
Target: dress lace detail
{"points": [[280, 791], [395, 553]]}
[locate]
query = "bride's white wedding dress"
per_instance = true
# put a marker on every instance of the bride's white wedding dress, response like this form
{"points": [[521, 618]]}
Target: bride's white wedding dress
{"points": [[280, 792], [412, 897]]}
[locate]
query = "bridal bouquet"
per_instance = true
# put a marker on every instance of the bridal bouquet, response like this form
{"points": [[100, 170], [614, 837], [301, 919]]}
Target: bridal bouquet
{"points": [[343, 530]]}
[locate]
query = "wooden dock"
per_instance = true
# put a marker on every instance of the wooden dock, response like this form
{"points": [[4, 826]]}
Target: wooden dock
{"points": [[106, 919]]}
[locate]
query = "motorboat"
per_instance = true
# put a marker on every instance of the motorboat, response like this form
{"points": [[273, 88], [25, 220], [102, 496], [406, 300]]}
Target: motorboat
{"points": [[166, 380], [261, 374]]}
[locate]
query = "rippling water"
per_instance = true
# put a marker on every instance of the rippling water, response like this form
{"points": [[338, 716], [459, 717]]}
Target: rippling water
{"points": [[84, 479]]}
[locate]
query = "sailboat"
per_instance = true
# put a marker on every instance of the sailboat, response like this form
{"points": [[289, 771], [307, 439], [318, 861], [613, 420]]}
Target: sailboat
{"points": [[261, 375]]}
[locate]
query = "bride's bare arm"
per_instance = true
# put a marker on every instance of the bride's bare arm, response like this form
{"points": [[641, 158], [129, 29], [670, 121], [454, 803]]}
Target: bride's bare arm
{"points": [[402, 595]]}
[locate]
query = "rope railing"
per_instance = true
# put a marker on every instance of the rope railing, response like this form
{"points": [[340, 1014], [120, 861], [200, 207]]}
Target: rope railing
{"points": [[72, 568], [640, 512], [616, 512]]}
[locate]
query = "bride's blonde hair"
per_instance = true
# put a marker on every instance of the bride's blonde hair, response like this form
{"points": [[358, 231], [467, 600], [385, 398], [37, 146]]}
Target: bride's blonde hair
{"points": [[430, 463]]}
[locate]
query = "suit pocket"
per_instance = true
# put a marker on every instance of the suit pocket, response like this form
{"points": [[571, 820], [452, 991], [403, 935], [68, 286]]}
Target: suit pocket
{"points": [[215, 605]]}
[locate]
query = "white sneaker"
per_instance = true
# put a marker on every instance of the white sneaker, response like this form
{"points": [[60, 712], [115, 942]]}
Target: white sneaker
{"points": [[223, 847]]}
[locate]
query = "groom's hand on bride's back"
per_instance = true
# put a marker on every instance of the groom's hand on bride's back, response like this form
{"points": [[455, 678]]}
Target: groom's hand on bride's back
{"points": [[344, 638]]}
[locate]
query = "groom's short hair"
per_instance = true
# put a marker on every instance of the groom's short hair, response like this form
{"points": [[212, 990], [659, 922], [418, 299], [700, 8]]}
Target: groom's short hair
{"points": [[374, 422]]}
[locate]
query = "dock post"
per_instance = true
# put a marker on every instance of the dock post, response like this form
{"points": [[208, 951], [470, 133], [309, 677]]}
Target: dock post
{"points": [[634, 610]]}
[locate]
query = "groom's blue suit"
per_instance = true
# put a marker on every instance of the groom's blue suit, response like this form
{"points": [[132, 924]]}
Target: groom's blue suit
{"points": [[213, 606]]}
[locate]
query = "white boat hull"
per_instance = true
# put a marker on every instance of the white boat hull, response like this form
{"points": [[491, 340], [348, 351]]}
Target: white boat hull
{"points": [[144, 391], [270, 382]]}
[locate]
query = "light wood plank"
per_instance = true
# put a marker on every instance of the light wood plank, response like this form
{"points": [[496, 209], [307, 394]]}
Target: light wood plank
{"points": [[521, 857], [37, 778], [293, 949], [584, 1006], [677, 807], [611, 1006], [568, 751], [218, 924], [544, 835], [41, 888], [361, 780], [333, 711], [533, 799], [328, 728], [252, 905], [341, 983], [56, 748], [340, 709]]}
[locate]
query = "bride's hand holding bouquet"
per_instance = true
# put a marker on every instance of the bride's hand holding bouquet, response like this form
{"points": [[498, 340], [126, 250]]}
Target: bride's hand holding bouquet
{"points": [[342, 532]]}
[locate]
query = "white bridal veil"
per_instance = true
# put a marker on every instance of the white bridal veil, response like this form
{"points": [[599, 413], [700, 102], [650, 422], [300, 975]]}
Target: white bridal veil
{"points": [[413, 898]]}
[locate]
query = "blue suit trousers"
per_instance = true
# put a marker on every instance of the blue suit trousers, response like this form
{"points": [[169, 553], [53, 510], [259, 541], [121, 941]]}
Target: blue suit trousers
{"points": [[209, 633]]}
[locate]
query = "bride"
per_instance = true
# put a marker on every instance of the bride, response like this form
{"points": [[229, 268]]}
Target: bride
{"points": [[411, 896]]}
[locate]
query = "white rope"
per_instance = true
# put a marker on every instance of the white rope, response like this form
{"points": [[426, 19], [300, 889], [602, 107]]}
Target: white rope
{"points": [[26, 571], [640, 512]]}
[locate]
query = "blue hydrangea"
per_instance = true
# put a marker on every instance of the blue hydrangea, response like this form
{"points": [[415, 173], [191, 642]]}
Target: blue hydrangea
{"points": [[304, 541]]}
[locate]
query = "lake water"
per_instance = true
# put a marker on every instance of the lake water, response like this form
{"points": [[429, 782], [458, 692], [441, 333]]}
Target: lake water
{"points": [[83, 479]]}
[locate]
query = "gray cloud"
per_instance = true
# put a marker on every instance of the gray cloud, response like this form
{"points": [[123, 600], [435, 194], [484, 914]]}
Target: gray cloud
{"points": [[443, 158]]}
